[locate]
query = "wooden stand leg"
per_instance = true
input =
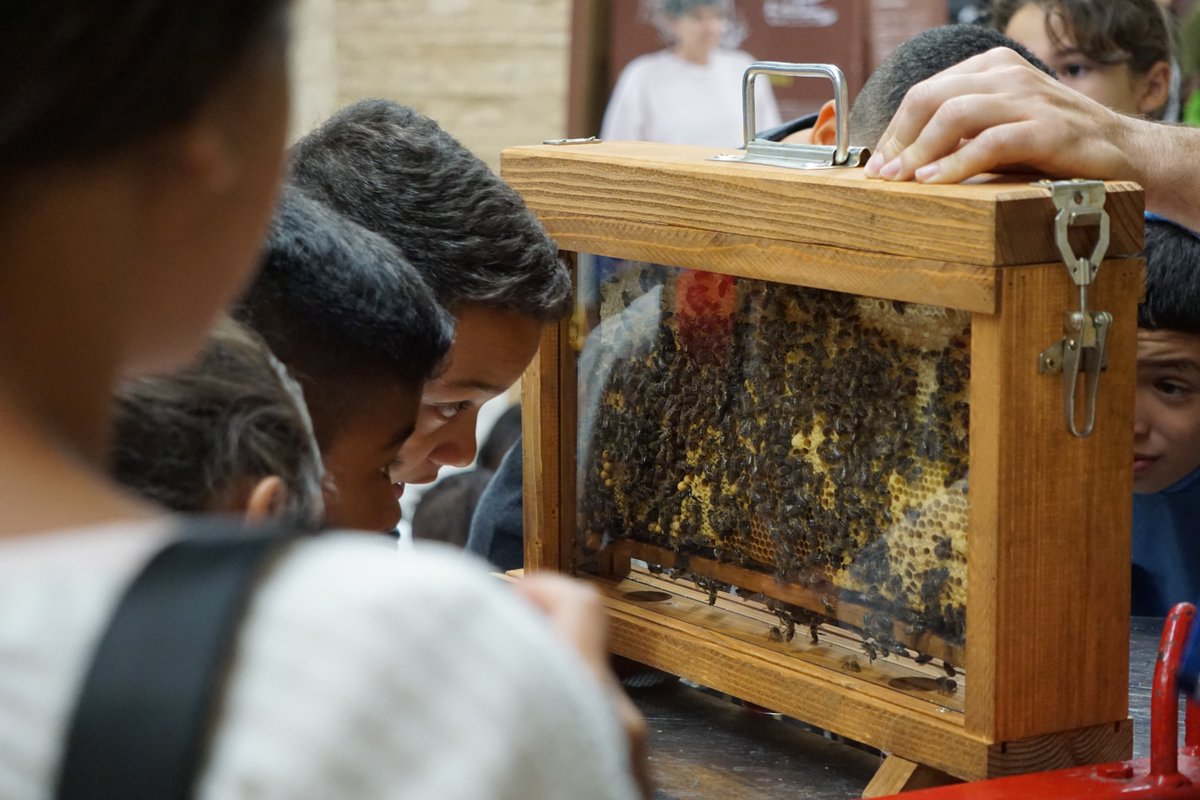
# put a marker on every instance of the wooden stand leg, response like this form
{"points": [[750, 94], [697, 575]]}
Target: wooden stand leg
{"points": [[898, 775]]}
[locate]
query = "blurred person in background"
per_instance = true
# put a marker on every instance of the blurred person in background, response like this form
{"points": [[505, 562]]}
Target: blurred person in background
{"points": [[690, 92]]}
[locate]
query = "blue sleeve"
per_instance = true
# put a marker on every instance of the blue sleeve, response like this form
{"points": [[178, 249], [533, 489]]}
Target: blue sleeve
{"points": [[497, 528]]}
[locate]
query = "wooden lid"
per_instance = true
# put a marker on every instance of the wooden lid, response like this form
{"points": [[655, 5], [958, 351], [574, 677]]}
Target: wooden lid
{"points": [[589, 194]]}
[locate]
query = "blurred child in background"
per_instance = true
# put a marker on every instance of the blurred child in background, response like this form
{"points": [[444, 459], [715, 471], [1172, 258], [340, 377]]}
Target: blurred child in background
{"points": [[227, 433], [691, 92]]}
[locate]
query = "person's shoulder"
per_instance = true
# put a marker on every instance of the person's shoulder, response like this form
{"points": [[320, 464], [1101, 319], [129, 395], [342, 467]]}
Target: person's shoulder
{"points": [[363, 571], [740, 57], [650, 63], [411, 674]]}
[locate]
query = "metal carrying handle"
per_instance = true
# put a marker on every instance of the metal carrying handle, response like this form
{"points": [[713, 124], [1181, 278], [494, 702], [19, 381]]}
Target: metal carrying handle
{"points": [[797, 156], [841, 147]]}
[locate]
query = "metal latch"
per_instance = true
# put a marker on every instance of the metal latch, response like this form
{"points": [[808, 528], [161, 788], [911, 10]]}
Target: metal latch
{"points": [[580, 140], [797, 156], [1084, 346]]}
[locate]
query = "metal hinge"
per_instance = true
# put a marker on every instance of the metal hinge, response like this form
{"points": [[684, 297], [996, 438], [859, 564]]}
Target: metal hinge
{"points": [[1084, 346]]}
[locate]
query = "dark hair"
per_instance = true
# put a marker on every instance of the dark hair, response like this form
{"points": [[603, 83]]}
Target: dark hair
{"points": [[342, 308], [467, 232], [663, 13], [1133, 32], [1172, 299], [80, 78], [506, 432], [677, 8], [187, 439], [921, 57]]}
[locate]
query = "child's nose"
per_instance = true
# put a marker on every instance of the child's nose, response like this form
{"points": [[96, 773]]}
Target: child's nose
{"points": [[458, 449], [1141, 425]]}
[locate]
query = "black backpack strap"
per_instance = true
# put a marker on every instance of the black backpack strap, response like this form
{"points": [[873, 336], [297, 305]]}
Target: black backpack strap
{"points": [[141, 725]]}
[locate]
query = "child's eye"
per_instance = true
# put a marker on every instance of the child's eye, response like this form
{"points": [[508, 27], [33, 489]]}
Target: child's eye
{"points": [[1172, 388], [451, 410], [1075, 70]]}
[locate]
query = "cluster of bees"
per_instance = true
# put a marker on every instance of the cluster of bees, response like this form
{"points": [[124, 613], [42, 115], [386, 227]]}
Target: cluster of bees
{"points": [[816, 436]]}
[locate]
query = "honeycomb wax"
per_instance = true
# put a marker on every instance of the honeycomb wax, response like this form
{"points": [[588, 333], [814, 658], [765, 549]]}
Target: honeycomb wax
{"points": [[815, 436]]}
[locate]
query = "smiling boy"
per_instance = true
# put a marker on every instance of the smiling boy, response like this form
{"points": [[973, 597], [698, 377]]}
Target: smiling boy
{"points": [[1166, 461]]}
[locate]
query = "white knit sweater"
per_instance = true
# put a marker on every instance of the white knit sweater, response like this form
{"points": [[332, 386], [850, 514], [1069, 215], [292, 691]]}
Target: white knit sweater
{"points": [[359, 674]]}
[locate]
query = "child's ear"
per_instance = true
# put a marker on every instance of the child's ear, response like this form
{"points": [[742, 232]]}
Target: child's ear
{"points": [[1156, 90], [266, 500], [825, 129], [209, 154], [185, 173]]}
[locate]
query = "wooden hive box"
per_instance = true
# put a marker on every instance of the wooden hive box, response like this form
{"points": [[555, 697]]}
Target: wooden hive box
{"points": [[812, 461]]}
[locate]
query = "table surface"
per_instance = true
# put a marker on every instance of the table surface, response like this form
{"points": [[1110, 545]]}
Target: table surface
{"points": [[707, 746]]}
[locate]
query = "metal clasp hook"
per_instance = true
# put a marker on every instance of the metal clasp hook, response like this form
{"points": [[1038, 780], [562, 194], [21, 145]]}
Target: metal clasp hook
{"points": [[1084, 346]]}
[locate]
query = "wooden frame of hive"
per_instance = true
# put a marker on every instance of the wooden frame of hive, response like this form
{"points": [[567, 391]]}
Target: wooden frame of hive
{"points": [[1046, 652]]}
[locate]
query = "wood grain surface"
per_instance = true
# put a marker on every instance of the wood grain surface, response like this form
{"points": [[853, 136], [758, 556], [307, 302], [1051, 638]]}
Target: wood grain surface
{"points": [[913, 280], [1050, 516], [992, 221], [541, 435]]}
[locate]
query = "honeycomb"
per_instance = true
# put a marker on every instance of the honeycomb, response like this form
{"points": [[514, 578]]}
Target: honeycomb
{"points": [[811, 435]]}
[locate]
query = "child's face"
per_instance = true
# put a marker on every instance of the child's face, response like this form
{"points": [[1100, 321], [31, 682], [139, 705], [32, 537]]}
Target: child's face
{"points": [[491, 349], [361, 494], [1166, 430], [698, 32], [1114, 85]]}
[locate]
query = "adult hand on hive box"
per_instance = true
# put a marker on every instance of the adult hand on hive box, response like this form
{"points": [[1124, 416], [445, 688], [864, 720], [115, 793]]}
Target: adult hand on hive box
{"points": [[575, 613], [995, 111]]}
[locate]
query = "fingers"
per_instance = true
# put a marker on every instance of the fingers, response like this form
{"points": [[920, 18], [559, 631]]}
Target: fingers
{"points": [[960, 104], [925, 98], [994, 149], [576, 613], [960, 117], [973, 134], [634, 724]]}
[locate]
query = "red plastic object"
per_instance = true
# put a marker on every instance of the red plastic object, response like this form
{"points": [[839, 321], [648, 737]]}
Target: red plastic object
{"points": [[1171, 772]]}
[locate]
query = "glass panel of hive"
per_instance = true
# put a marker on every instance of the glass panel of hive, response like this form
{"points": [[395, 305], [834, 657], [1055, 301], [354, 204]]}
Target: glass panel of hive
{"points": [[803, 435]]}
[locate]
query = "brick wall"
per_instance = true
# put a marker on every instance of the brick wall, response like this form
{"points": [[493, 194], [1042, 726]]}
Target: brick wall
{"points": [[492, 72]]}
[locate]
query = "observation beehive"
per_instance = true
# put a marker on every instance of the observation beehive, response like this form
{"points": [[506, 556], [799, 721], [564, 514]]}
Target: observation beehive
{"points": [[811, 437]]}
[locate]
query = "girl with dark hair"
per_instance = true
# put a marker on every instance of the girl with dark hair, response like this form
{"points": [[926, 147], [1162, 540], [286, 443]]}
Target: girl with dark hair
{"points": [[1117, 52], [141, 145], [228, 433]]}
